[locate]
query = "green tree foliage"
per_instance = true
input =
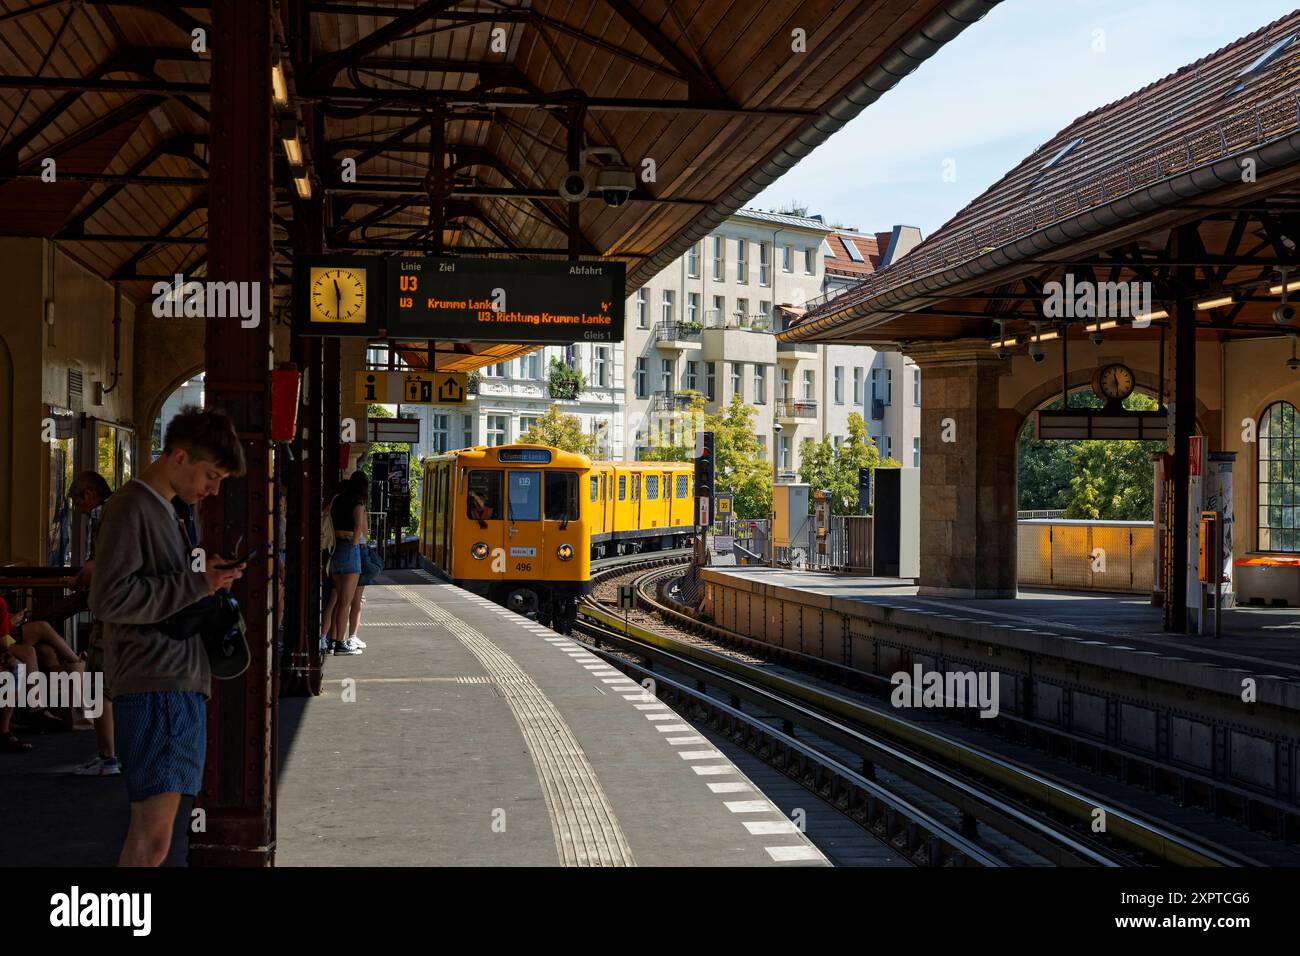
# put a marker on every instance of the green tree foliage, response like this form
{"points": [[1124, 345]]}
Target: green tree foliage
{"points": [[1093, 480], [417, 472], [824, 466], [560, 431]]}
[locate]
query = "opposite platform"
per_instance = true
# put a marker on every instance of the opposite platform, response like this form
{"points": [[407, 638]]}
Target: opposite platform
{"points": [[468, 735]]}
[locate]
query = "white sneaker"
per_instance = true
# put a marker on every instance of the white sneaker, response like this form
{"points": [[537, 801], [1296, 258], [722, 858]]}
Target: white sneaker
{"points": [[99, 767], [324, 644], [357, 642]]}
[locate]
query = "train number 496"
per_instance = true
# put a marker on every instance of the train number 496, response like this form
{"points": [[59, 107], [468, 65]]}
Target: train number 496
{"points": [[523, 566]]}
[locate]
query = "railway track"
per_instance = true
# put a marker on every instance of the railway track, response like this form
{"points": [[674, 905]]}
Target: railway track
{"points": [[939, 800]]}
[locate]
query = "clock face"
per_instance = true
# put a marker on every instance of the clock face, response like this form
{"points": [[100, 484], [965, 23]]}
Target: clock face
{"points": [[1114, 382], [338, 295]]}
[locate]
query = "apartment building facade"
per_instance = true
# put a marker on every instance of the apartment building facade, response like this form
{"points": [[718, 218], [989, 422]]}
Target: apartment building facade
{"points": [[512, 395]]}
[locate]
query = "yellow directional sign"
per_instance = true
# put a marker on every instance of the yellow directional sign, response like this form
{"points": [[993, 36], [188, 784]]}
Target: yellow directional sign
{"points": [[412, 388], [724, 504]]}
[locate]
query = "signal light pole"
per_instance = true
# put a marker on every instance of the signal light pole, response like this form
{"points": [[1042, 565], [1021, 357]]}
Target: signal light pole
{"points": [[703, 492]]}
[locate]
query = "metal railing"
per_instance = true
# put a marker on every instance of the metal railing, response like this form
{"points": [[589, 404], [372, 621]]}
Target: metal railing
{"points": [[1247, 128], [742, 321], [800, 408], [671, 401], [678, 332]]}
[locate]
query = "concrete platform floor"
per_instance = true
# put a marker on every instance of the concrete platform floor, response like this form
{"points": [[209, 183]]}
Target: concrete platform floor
{"points": [[467, 735], [1253, 638]]}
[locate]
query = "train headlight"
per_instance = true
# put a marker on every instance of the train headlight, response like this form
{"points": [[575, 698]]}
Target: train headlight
{"points": [[479, 550], [564, 552]]}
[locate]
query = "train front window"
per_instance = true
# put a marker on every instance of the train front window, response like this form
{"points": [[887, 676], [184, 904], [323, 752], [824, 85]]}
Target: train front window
{"points": [[483, 496], [562, 496], [524, 495]]}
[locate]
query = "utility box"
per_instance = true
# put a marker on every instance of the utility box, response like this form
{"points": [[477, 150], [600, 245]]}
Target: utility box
{"points": [[896, 523], [791, 511]]}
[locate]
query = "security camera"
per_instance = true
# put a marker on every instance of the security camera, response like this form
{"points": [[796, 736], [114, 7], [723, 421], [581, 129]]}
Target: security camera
{"points": [[615, 184], [1097, 338], [777, 428], [1284, 314], [573, 188], [1037, 352], [1002, 352]]}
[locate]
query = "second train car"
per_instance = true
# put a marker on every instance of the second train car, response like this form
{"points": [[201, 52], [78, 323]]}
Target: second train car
{"points": [[520, 524]]}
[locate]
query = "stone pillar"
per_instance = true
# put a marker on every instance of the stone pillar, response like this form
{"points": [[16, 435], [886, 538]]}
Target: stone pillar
{"points": [[968, 472]]}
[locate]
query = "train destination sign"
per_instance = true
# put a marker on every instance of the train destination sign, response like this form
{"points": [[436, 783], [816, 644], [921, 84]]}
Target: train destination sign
{"points": [[460, 299], [504, 300]]}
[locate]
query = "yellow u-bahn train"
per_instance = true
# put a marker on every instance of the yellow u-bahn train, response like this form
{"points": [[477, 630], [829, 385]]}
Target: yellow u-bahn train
{"points": [[520, 524]]}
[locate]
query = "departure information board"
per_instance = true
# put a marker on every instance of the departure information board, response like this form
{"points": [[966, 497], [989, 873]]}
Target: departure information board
{"points": [[444, 299], [505, 300]]}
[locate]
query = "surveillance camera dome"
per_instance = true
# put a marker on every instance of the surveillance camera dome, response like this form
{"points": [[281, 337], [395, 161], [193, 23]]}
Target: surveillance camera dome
{"points": [[1037, 352], [573, 188], [615, 185], [1002, 352], [776, 427], [1097, 338], [1284, 314]]}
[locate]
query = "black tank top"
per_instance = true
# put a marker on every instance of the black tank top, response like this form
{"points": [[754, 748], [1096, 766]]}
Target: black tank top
{"points": [[341, 512]]}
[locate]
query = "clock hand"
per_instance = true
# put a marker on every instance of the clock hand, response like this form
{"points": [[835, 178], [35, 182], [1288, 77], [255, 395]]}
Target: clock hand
{"points": [[338, 300]]}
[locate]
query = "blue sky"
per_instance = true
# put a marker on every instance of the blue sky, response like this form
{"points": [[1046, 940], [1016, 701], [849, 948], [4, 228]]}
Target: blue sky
{"points": [[993, 95]]}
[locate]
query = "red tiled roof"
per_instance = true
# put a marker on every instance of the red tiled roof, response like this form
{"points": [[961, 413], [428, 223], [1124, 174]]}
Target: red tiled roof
{"points": [[1187, 119], [843, 263]]}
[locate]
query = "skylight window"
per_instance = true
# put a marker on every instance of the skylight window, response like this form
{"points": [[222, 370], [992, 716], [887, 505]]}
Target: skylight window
{"points": [[852, 248], [1062, 153], [827, 251], [1265, 59]]}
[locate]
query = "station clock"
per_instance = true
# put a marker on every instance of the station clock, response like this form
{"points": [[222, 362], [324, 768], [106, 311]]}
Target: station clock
{"points": [[1113, 383], [338, 295]]}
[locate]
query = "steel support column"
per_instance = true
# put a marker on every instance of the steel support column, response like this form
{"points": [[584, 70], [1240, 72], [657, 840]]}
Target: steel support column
{"points": [[239, 779], [1183, 413], [303, 657]]}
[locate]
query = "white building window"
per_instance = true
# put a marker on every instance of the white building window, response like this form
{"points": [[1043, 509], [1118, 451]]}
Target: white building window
{"points": [[760, 384], [765, 309], [882, 385], [496, 429], [691, 380], [785, 452], [710, 383], [467, 430], [600, 366], [640, 378], [666, 374], [693, 261], [857, 386], [642, 309], [809, 384], [526, 422], [783, 395], [530, 366], [693, 307], [885, 446], [839, 385], [669, 305], [737, 378], [742, 263], [916, 452], [764, 264], [742, 309], [439, 432], [809, 261], [719, 259], [720, 309], [787, 258], [916, 387]]}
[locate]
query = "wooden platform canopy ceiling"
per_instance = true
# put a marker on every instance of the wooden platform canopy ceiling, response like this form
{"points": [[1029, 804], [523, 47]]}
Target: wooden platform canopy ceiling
{"points": [[462, 118], [1191, 184]]}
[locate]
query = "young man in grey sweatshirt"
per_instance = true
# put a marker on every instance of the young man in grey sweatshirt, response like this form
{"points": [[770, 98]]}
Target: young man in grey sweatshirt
{"points": [[143, 575]]}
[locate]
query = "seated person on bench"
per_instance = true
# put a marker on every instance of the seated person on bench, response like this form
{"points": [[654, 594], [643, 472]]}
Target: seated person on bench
{"points": [[50, 649]]}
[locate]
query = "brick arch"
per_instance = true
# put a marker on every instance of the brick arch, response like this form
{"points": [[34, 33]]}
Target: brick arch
{"points": [[153, 407]]}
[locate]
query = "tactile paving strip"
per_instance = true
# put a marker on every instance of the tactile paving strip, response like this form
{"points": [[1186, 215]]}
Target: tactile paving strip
{"points": [[587, 832]]}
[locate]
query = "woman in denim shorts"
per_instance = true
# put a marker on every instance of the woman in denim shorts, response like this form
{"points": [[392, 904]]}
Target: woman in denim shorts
{"points": [[348, 512]]}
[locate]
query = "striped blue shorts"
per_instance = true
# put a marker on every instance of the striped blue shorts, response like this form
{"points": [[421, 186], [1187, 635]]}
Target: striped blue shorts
{"points": [[161, 740]]}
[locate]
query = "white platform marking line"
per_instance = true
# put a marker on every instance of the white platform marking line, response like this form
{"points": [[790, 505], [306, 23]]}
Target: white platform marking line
{"points": [[672, 728], [661, 716], [651, 706], [768, 827], [583, 823], [713, 770], [750, 806], [731, 786], [791, 854], [701, 755], [679, 741]]}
